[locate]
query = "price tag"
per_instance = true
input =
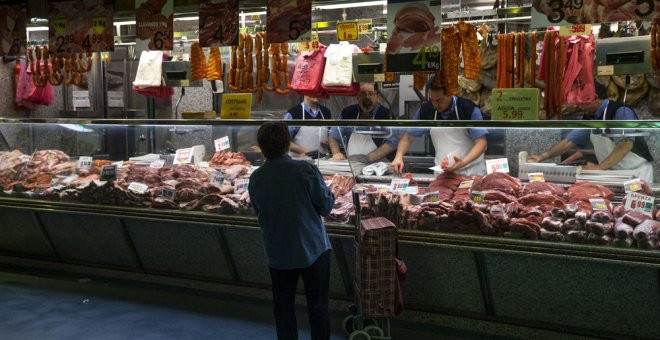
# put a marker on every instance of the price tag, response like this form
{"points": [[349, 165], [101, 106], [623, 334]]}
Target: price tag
{"points": [[497, 165], [568, 12], [347, 31], [139, 188], [536, 177], [598, 204], [365, 26], [115, 99], [221, 144], [108, 172], [154, 25], [183, 156], [84, 163], [431, 197], [241, 185], [203, 165], [236, 106], [633, 185], [40, 188], [157, 164], [477, 196], [214, 32], [605, 70], [399, 184], [287, 20], [466, 184], [640, 202], [80, 26], [168, 193], [217, 178], [312, 45], [13, 32], [379, 77], [81, 99], [25, 158], [578, 29], [515, 104]]}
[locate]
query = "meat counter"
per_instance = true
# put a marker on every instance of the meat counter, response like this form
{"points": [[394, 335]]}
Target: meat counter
{"points": [[203, 166]]}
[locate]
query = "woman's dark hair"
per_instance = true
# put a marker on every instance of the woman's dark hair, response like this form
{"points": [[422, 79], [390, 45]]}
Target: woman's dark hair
{"points": [[274, 139]]}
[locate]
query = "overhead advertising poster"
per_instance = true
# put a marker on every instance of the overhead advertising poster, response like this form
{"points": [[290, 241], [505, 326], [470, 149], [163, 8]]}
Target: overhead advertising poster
{"points": [[413, 29], [571, 12], [13, 28], [155, 25], [288, 20], [80, 26], [218, 23]]}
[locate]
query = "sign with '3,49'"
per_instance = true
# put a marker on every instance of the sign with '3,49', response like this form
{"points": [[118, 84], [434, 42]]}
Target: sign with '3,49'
{"points": [[570, 12], [155, 25]]}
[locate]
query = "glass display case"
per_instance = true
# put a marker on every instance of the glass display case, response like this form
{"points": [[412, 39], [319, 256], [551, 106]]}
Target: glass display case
{"points": [[193, 167]]}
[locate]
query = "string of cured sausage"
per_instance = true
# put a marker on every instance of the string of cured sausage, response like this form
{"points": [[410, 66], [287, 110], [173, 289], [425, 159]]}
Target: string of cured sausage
{"points": [[655, 45], [68, 68]]}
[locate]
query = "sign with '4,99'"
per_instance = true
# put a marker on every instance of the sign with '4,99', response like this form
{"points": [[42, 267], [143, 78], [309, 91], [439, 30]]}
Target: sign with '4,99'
{"points": [[413, 30], [155, 25]]}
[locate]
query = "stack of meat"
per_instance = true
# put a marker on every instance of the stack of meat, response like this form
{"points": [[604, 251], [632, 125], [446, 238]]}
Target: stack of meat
{"points": [[11, 164], [341, 186], [225, 159], [42, 167]]}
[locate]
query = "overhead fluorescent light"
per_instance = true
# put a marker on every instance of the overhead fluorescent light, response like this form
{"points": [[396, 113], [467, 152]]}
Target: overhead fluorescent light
{"points": [[352, 5], [37, 29], [76, 127]]}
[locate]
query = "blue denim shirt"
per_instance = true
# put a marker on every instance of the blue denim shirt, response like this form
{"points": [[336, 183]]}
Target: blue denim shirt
{"points": [[289, 197]]}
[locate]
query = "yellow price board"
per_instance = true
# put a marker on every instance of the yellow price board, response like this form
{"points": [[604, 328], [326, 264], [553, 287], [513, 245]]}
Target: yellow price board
{"points": [[365, 26], [579, 29], [99, 24], [60, 26], [236, 106], [312, 45], [347, 31]]}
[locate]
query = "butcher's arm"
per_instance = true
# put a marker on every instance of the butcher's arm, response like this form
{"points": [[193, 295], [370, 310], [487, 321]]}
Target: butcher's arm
{"points": [[479, 147], [297, 148], [402, 149], [558, 149], [621, 149], [334, 148], [381, 152]]}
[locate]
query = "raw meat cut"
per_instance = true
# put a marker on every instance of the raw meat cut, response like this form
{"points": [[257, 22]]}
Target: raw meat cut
{"points": [[500, 182], [543, 188]]}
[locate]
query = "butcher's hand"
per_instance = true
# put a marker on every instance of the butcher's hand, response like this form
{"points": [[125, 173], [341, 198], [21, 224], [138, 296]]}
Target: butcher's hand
{"points": [[536, 159], [591, 166], [338, 157], [458, 164], [397, 165]]}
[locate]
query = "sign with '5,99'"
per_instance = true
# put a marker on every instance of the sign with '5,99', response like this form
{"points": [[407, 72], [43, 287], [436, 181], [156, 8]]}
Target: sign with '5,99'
{"points": [[155, 25]]}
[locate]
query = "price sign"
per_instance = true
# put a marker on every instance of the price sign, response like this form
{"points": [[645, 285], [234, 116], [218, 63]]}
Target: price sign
{"points": [[168, 193], [399, 184], [81, 26], [155, 25], [139, 188], [25, 158], [84, 163], [236, 106], [579, 29], [203, 165], [640, 202], [157, 164], [241, 185], [312, 45], [632, 185], [515, 104], [477, 196], [605, 70], [13, 33], [466, 184], [497, 165], [365, 26], [598, 204], [218, 23], [287, 20], [347, 31], [221, 144], [536, 177], [108, 172], [81, 99], [431, 197], [379, 77], [569, 12], [217, 178], [115, 99], [404, 51], [183, 156]]}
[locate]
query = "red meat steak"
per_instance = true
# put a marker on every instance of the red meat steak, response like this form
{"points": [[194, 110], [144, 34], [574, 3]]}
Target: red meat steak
{"points": [[583, 191], [500, 182], [543, 188]]}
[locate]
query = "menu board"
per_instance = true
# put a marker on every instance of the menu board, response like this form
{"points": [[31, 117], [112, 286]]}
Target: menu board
{"points": [[13, 28], [80, 26], [218, 23], [155, 25], [570, 12], [288, 20], [413, 29]]}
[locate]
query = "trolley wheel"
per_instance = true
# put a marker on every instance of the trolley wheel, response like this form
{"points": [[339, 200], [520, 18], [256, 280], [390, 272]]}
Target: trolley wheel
{"points": [[374, 331], [347, 324], [359, 335]]}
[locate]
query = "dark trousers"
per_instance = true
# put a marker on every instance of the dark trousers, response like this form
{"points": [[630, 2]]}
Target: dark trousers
{"points": [[317, 285]]}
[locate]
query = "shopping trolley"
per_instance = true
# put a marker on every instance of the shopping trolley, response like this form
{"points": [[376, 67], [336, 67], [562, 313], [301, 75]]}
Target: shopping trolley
{"points": [[376, 287]]}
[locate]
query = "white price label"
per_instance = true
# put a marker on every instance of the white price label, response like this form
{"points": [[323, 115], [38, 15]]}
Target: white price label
{"points": [[598, 204], [84, 163], [466, 184], [183, 156], [607, 70], [633, 185], [157, 164], [497, 165], [431, 197], [221, 144], [536, 177], [640, 202], [217, 178], [81, 99], [25, 158], [477, 196], [399, 184], [203, 165], [139, 188], [241, 185], [168, 193], [115, 99]]}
